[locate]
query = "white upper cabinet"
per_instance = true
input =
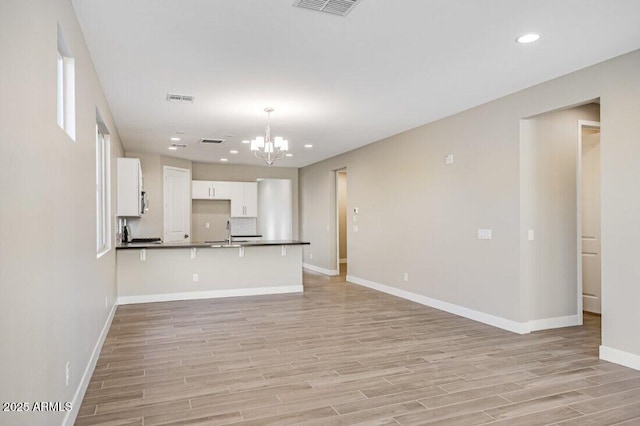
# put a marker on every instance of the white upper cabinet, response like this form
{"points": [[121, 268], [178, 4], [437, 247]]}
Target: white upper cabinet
{"points": [[244, 199], [129, 195], [200, 190], [243, 195], [210, 190]]}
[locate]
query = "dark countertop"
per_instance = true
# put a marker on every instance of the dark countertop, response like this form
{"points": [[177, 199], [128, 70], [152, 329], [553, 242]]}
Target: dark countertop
{"points": [[234, 244]]}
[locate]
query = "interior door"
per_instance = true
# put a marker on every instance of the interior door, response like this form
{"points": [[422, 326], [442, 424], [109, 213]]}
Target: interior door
{"points": [[177, 203], [591, 276]]}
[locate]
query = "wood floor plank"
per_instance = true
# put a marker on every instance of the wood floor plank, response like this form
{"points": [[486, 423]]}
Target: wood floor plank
{"points": [[341, 354], [535, 405]]}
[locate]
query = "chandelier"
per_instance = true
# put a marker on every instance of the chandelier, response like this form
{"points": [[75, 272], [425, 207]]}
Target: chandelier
{"points": [[266, 149]]}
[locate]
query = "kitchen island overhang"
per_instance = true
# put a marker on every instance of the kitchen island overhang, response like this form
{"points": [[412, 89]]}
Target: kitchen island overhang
{"points": [[186, 271]]}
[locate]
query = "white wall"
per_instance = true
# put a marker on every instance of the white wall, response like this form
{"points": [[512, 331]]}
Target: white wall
{"points": [[215, 213], [418, 215], [52, 308]]}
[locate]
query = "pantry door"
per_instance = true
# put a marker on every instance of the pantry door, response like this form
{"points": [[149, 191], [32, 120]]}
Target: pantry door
{"points": [[177, 204]]}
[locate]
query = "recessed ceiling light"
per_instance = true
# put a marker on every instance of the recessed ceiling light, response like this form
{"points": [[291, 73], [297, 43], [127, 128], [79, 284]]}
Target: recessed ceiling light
{"points": [[233, 151], [288, 155], [528, 38], [173, 148], [246, 141], [175, 139], [308, 145], [224, 159]]}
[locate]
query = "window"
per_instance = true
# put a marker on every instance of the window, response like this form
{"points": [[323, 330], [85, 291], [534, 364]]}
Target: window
{"points": [[103, 198], [66, 85]]}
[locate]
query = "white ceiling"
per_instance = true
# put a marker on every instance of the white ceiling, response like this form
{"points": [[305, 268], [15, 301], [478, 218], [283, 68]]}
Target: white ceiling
{"points": [[335, 82]]}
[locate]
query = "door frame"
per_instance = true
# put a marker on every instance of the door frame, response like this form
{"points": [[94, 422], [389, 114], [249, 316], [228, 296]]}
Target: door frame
{"points": [[337, 213], [164, 204], [582, 124]]}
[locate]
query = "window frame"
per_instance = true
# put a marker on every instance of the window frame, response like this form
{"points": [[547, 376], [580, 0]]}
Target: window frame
{"points": [[103, 189], [66, 88]]}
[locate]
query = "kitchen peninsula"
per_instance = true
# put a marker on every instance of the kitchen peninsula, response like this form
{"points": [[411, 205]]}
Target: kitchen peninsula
{"points": [[156, 272]]}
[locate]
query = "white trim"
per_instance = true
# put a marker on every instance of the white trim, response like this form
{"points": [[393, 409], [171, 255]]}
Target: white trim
{"points": [[505, 324], [617, 356], [210, 294], [557, 322], [70, 417], [331, 272], [343, 260], [579, 303]]}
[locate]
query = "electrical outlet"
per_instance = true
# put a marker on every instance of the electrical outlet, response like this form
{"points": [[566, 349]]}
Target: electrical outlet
{"points": [[207, 225], [310, 255], [195, 278], [448, 159], [484, 234], [406, 276], [67, 373], [532, 235]]}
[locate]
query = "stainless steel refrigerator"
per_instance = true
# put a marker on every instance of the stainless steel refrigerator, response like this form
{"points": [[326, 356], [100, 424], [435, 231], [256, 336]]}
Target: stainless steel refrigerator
{"points": [[275, 205]]}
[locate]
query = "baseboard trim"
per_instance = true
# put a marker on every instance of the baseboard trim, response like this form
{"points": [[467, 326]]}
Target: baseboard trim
{"points": [[557, 322], [343, 260], [211, 294], [505, 324], [70, 417], [617, 356], [331, 272]]}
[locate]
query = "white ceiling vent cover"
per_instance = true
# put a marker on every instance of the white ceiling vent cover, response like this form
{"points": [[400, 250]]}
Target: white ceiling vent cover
{"points": [[335, 7], [211, 141]]}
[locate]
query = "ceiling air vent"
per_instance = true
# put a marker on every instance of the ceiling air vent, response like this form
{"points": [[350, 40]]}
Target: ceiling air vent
{"points": [[335, 7], [179, 98], [211, 141]]}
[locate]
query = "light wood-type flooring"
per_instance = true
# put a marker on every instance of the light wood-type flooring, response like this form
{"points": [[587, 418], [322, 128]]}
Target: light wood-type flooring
{"points": [[341, 354]]}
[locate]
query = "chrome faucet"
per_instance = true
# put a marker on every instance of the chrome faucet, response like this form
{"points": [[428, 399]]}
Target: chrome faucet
{"points": [[229, 232]]}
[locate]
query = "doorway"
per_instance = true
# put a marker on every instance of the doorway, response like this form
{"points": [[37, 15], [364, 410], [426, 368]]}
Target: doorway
{"points": [[177, 204], [341, 221], [589, 268]]}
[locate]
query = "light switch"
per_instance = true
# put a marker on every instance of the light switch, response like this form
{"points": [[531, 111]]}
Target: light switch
{"points": [[207, 225], [355, 210], [355, 218], [448, 159], [531, 235], [484, 234]]}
